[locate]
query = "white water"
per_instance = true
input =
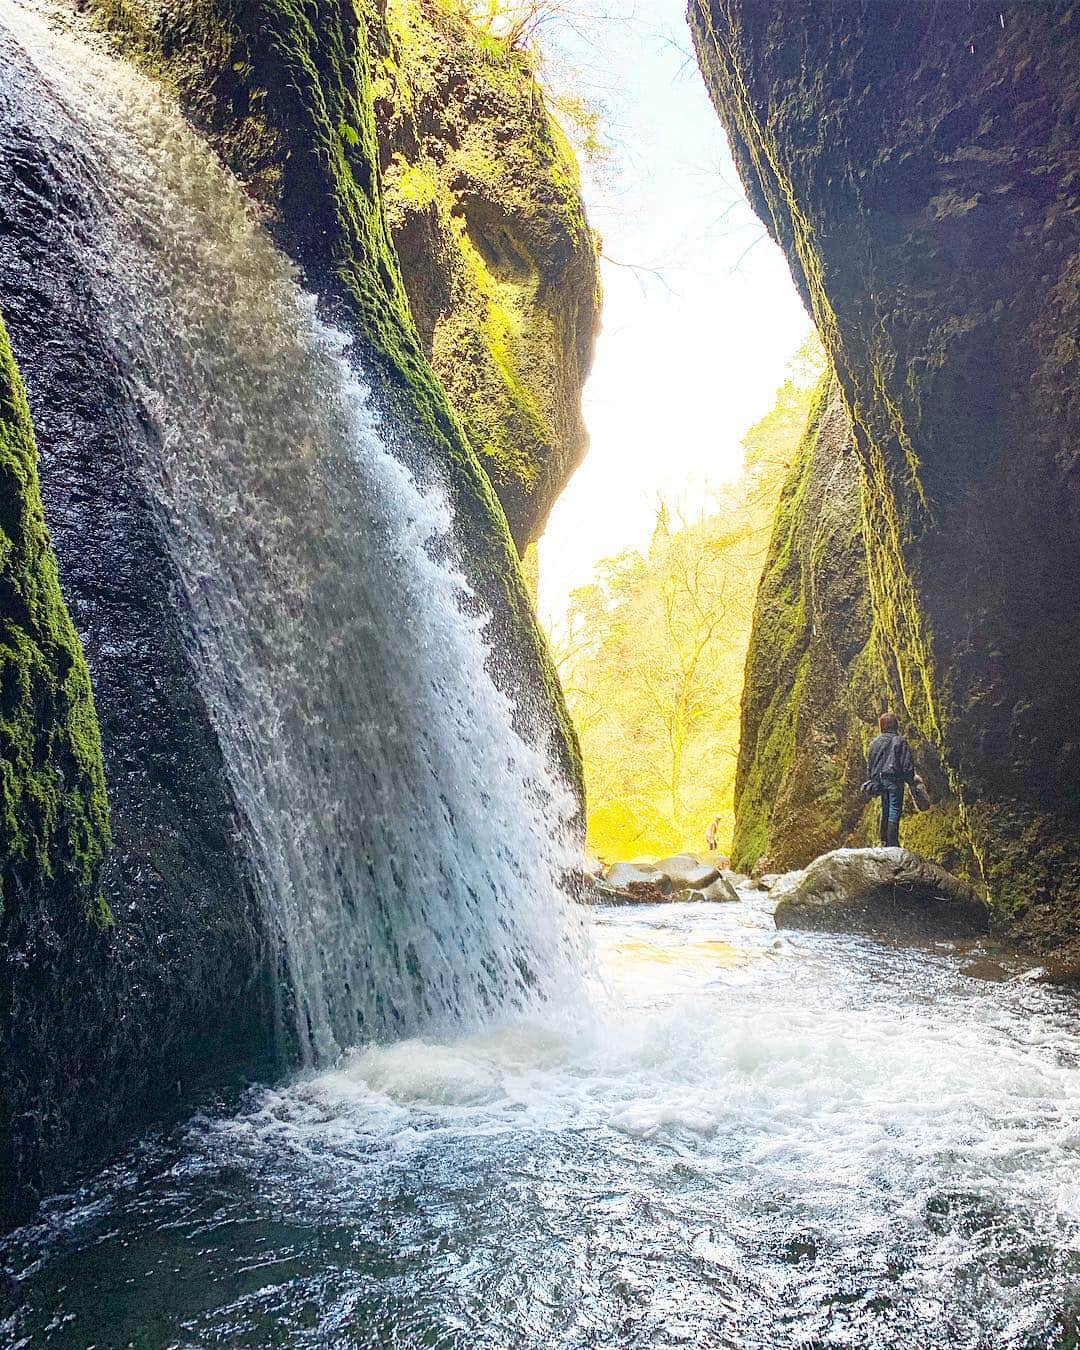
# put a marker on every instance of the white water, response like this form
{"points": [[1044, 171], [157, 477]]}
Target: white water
{"points": [[407, 845], [759, 1141]]}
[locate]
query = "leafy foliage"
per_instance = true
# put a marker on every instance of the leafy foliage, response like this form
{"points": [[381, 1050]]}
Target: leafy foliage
{"points": [[652, 651]]}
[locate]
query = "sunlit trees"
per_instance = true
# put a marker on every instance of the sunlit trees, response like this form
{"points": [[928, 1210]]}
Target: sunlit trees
{"points": [[651, 653]]}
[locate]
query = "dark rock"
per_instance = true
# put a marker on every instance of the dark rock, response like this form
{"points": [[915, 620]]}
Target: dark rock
{"points": [[917, 164], [888, 891], [687, 872], [104, 1028]]}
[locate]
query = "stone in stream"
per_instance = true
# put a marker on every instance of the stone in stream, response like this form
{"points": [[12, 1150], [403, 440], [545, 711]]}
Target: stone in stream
{"points": [[719, 891], [629, 883], [687, 872], [883, 890]]}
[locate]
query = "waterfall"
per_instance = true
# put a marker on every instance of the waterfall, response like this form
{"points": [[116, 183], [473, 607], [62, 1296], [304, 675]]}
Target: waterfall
{"points": [[406, 844]]}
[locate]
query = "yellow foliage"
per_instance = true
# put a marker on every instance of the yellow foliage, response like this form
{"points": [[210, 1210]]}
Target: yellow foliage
{"points": [[652, 651]]}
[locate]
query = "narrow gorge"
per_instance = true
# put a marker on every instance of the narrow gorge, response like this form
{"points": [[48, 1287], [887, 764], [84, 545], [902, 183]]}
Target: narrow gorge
{"points": [[319, 1025]]}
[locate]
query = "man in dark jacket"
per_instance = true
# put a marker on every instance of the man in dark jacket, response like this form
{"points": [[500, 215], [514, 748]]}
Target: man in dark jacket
{"points": [[890, 766]]}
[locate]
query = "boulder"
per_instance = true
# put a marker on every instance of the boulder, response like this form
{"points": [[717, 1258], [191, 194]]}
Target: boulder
{"points": [[626, 883], [720, 891], [883, 890], [687, 872]]}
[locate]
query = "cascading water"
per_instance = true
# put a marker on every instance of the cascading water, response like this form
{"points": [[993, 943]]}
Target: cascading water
{"points": [[406, 844]]}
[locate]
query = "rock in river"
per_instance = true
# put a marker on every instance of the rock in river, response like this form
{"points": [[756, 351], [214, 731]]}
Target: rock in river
{"points": [[721, 890], [883, 890], [628, 882], [687, 872]]}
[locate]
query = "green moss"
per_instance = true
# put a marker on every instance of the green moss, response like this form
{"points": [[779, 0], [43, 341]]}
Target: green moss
{"points": [[54, 814], [497, 256], [776, 662]]}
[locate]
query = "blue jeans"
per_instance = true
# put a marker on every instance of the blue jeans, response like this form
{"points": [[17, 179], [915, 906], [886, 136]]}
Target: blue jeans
{"points": [[892, 808]]}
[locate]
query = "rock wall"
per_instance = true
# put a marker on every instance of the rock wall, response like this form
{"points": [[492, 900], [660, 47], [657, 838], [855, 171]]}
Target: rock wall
{"points": [[817, 675], [917, 163], [485, 212], [124, 984], [128, 988], [803, 704]]}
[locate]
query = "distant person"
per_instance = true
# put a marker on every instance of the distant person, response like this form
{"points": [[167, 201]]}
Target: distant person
{"points": [[712, 835], [890, 766]]}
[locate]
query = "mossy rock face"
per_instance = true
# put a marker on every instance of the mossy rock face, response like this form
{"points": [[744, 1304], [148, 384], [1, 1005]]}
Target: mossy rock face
{"points": [[54, 811], [916, 162], [817, 677], [485, 210], [804, 711]]}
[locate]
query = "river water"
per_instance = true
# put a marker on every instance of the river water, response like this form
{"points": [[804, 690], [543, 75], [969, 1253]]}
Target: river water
{"points": [[739, 1138]]}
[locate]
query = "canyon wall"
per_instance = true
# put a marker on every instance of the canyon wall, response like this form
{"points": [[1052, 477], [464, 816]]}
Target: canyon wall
{"points": [[917, 164], [500, 266]]}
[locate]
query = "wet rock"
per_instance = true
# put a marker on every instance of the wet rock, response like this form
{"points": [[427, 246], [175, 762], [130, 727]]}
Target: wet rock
{"points": [[947, 182], [687, 872], [628, 883], [1061, 967], [883, 890], [720, 891]]}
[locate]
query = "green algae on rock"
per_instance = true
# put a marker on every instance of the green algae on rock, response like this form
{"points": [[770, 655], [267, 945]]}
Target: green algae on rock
{"points": [[485, 210], [916, 162], [54, 812]]}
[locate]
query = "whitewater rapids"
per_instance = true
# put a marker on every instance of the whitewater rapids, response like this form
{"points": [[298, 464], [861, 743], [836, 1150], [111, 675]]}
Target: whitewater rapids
{"points": [[756, 1141]]}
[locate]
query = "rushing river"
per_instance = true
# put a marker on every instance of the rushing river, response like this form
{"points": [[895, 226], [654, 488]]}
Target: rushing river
{"points": [[746, 1139]]}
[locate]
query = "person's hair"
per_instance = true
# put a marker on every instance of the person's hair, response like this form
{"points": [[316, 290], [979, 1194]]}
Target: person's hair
{"points": [[889, 722]]}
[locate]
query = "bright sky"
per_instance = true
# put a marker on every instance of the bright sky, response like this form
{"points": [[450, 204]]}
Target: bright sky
{"points": [[686, 361]]}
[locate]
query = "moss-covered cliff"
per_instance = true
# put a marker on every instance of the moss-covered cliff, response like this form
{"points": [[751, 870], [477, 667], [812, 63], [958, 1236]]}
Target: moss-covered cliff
{"points": [[917, 163], [818, 674], [485, 212], [801, 748], [54, 813]]}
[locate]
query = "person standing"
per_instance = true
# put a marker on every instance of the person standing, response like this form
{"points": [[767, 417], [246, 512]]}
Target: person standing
{"points": [[890, 766]]}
